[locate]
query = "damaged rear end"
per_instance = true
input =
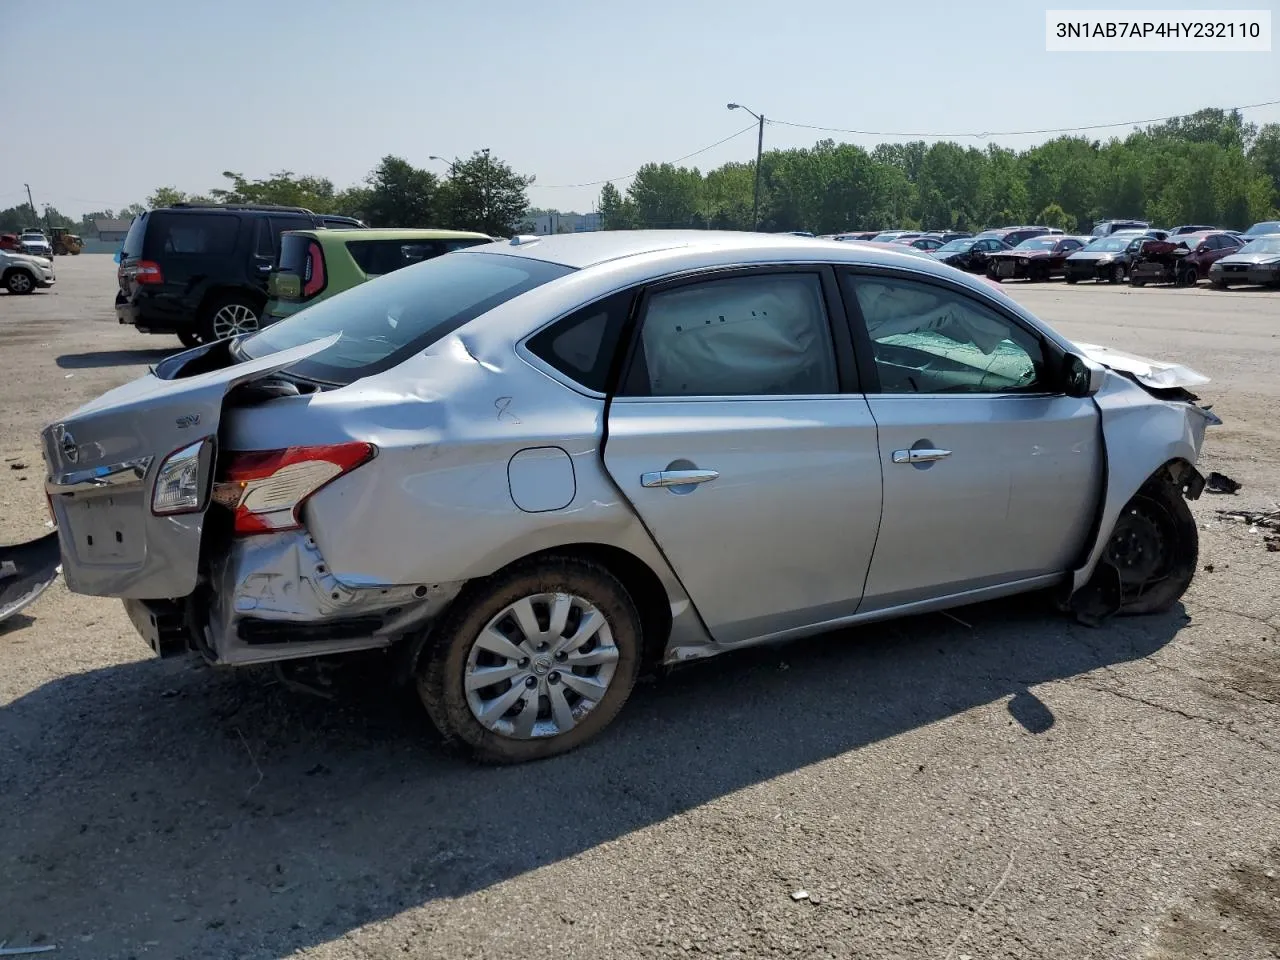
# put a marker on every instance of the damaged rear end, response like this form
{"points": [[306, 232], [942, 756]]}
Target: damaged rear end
{"points": [[134, 475]]}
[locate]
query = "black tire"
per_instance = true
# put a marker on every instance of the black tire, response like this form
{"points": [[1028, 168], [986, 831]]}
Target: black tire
{"points": [[1071, 279], [1038, 273], [1217, 285], [441, 668], [1188, 277], [230, 301], [189, 338], [1155, 546], [1117, 274], [1136, 281], [20, 282]]}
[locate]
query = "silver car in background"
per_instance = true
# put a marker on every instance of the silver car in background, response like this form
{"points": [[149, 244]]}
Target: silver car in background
{"points": [[529, 468], [1258, 261]]}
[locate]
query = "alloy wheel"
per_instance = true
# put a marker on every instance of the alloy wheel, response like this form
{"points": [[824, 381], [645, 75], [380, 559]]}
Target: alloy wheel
{"points": [[233, 319], [19, 282], [540, 666]]}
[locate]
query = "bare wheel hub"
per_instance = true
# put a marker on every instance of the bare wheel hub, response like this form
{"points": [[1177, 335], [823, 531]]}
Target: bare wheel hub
{"points": [[1137, 547], [540, 666]]}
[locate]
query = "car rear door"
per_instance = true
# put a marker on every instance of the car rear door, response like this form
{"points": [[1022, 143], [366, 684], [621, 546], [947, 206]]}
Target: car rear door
{"points": [[739, 437], [991, 473]]}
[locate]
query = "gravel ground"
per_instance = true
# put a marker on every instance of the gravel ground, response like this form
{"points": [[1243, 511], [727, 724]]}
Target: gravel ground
{"points": [[1011, 786]]}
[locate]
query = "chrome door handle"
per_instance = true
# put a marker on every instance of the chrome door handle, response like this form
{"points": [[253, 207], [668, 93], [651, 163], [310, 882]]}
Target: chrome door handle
{"points": [[923, 455], [676, 478]]}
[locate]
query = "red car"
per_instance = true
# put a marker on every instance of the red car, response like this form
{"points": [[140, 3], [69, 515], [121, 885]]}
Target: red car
{"points": [[1037, 258], [1184, 259], [9, 241]]}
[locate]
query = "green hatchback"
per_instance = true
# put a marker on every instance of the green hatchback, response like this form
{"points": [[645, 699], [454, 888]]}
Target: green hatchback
{"points": [[315, 264]]}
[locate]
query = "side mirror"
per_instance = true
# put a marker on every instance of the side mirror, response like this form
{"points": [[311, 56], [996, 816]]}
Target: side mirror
{"points": [[1083, 376]]}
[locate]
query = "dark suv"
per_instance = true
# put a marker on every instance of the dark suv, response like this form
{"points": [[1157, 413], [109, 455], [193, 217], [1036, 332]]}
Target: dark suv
{"points": [[200, 270]]}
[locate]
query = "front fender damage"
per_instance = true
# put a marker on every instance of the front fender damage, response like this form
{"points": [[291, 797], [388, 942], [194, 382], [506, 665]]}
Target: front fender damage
{"points": [[1151, 435]]}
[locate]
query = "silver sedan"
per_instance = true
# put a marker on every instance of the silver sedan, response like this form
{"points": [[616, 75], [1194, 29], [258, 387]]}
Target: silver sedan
{"points": [[530, 468]]}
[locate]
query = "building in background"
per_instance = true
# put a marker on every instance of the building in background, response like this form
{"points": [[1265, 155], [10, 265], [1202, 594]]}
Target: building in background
{"points": [[553, 221], [111, 231]]}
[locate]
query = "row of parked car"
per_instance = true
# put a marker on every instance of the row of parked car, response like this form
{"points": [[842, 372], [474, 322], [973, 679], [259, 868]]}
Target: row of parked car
{"points": [[1116, 251]]}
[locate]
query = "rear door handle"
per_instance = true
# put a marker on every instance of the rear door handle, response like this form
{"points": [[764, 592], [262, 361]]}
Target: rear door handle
{"points": [[922, 455], [676, 478]]}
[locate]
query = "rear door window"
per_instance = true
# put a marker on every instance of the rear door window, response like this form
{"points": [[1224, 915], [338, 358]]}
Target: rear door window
{"points": [[583, 345], [267, 241], [190, 234]]}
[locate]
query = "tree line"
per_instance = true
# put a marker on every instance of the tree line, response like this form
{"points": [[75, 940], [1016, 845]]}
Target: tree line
{"points": [[1208, 167], [480, 193]]}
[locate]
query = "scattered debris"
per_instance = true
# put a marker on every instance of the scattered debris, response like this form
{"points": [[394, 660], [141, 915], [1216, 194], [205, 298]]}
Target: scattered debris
{"points": [[1208, 568], [1272, 544], [800, 895], [952, 616], [1269, 519], [18, 465], [1221, 483]]}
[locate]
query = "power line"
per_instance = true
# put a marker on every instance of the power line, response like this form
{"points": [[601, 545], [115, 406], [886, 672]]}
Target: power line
{"points": [[596, 183], [1003, 133]]}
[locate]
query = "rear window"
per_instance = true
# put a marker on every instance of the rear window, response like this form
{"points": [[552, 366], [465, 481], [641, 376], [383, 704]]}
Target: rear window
{"points": [[378, 257], [169, 234], [293, 253], [133, 239], [384, 323]]}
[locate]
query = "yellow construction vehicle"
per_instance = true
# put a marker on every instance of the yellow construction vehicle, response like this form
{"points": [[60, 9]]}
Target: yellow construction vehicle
{"points": [[65, 242]]}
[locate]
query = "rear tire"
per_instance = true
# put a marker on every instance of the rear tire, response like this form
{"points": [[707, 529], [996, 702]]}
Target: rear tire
{"points": [[455, 657], [1188, 277], [229, 316], [1071, 279], [1155, 546], [1039, 273], [1136, 282], [1117, 273]]}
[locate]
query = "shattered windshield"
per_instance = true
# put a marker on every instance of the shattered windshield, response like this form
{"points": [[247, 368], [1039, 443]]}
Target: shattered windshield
{"points": [[386, 321]]}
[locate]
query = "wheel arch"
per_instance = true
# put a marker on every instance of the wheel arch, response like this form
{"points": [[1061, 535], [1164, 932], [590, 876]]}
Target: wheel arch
{"points": [[638, 578], [222, 290]]}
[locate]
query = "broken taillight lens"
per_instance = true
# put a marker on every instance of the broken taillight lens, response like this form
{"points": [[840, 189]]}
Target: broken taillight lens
{"points": [[267, 488]]}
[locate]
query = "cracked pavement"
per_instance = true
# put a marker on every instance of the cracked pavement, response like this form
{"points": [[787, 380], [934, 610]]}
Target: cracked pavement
{"points": [[1015, 785]]}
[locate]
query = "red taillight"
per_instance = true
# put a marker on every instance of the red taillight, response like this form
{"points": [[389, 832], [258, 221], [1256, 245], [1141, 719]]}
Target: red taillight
{"points": [[313, 279], [147, 271], [267, 488]]}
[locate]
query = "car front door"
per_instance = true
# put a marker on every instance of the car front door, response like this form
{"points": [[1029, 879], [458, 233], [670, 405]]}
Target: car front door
{"points": [[991, 473], [740, 437]]}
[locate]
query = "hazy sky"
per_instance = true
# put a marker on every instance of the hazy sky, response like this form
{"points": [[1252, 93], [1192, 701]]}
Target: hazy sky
{"points": [[112, 98]]}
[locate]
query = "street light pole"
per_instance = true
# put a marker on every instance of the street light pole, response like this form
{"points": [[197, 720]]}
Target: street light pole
{"points": [[450, 163], [755, 193]]}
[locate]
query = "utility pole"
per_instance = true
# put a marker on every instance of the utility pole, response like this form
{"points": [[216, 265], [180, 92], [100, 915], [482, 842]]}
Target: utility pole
{"points": [[755, 194], [35, 217]]}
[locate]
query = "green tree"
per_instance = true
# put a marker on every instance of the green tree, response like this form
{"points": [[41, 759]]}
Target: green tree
{"points": [[1054, 216], [665, 196], [487, 195], [166, 197], [402, 195], [616, 213], [283, 188]]}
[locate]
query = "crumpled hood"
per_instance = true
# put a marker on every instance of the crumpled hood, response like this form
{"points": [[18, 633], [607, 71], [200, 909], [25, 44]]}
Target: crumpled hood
{"points": [[1151, 373]]}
